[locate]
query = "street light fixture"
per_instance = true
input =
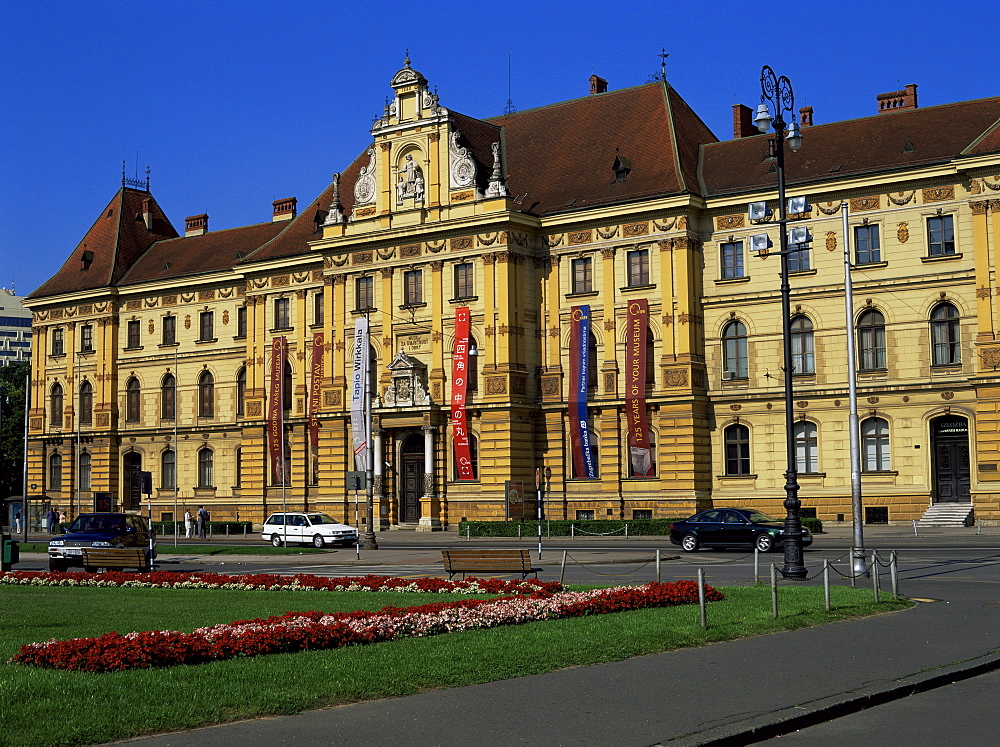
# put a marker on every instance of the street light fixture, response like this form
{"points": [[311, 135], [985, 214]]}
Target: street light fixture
{"points": [[778, 93]]}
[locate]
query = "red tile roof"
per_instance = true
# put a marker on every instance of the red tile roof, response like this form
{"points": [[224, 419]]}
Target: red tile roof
{"points": [[117, 238], [854, 147]]}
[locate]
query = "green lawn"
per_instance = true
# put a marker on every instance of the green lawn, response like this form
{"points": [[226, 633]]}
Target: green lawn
{"points": [[46, 707]]}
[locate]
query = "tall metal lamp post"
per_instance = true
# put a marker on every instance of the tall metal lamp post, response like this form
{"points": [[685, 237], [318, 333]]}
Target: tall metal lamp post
{"points": [[778, 93]]}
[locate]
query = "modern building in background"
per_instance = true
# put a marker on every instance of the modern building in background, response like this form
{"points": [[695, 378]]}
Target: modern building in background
{"points": [[15, 328], [570, 289]]}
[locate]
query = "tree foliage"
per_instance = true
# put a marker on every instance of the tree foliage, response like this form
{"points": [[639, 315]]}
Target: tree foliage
{"points": [[13, 379]]}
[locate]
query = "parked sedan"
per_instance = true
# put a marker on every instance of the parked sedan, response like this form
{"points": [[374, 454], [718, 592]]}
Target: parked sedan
{"points": [[313, 529], [731, 527], [99, 530]]}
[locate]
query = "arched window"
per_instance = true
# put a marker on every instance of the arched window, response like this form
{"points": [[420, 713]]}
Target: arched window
{"points": [[650, 359], [640, 463], [241, 392], [86, 403], [871, 340], [56, 405], [168, 469], [55, 472], [286, 388], [473, 454], [803, 355], [206, 461], [945, 340], [806, 451], [875, 445], [737, 445], [132, 394], [592, 360], [85, 470], [168, 397], [734, 351], [206, 395]]}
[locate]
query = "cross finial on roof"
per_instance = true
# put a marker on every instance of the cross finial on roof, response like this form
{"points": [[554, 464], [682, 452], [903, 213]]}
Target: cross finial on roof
{"points": [[406, 59], [663, 63]]}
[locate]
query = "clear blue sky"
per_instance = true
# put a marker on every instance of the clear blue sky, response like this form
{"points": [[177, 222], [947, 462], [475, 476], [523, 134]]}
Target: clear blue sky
{"points": [[236, 103]]}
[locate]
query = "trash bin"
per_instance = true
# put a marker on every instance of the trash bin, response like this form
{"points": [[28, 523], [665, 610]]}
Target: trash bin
{"points": [[11, 554]]}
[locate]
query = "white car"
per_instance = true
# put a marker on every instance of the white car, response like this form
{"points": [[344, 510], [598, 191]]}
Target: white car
{"points": [[313, 529]]}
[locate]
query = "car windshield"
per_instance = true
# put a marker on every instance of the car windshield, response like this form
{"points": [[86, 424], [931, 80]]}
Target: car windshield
{"points": [[98, 524], [756, 517], [322, 519]]}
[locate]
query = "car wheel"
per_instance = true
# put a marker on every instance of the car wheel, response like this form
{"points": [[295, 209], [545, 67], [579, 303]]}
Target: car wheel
{"points": [[276, 540], [318, 542], [57, 566], [689, 543], [764, 542]]}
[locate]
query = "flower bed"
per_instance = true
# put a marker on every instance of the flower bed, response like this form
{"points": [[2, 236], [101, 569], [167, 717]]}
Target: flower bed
{"points": [[302, 631], [274, 582]]}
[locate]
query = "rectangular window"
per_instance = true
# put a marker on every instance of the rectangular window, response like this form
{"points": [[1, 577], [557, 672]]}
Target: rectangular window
{"points": [[732, 260], [413, 287], [133, 340], [206, 326], [940, 235], [463, 280], [866, 245], [57, 341], [638, 267], [583, 277], [241, 321], [364, 293], [798, 258], [282, 314], [87, 338], [169, 330], [318, 308]]}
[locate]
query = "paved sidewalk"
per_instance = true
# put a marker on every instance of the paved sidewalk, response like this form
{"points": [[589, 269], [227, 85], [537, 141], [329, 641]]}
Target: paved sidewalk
{"points": [[735, 692]]}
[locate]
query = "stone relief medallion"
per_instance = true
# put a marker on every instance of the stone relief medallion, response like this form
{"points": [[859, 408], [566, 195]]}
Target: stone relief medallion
{"points": [[902, 233], [365, 187], [462, 167]]}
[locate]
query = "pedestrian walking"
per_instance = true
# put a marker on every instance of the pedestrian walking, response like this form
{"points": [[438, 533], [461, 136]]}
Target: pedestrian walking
{"points": [[17, 521], [202, 520], [62, 522], [188, 523], [50, 521]]}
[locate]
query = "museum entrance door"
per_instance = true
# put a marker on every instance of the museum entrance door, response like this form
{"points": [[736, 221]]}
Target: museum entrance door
{"points": [[412, 485], [950, 439]]}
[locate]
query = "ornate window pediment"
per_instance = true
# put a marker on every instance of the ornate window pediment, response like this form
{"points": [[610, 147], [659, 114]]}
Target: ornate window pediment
{"points": [[409, 383]]}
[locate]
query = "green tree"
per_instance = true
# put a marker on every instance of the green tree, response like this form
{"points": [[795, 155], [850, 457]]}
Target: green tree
{"points": [[13, 378]]}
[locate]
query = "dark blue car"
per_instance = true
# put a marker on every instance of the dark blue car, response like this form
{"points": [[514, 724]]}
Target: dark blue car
{"points": [[731, 527], [99, 530]]}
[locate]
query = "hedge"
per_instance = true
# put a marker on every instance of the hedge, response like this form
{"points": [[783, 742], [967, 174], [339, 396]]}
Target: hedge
{"points": [[562, 528]]}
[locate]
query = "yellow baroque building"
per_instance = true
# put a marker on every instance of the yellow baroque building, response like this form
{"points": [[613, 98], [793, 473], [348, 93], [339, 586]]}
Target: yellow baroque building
{"points": [[153, 350]]}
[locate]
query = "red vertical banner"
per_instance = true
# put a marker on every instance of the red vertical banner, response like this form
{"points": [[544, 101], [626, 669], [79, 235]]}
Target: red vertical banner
{"points": [[459, 388], [637, 334], [314, 389], [275, 414]]}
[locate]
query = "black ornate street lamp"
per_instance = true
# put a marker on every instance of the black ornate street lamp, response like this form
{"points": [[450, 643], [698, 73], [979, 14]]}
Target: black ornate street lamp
{"points": [[778, 92]]}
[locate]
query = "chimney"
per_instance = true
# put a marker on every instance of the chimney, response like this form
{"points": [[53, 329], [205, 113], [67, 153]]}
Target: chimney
{"points": [[898, 101], [743, 125], [147, 213], [284, 209], [806, 116], [196, 225], [598, 84]]}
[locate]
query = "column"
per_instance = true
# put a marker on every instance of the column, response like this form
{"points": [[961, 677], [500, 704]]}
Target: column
{"points": [[429, 520]]}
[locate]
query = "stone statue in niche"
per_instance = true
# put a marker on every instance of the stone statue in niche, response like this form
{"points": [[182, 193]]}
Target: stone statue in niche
{"points": [[411, 181]]}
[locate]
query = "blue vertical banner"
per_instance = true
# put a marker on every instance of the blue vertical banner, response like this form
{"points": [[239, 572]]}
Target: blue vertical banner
{"points": [[579, 375]]}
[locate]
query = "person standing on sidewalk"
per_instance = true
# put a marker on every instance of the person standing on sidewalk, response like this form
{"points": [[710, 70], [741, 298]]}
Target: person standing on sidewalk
{"points": [[188, 523], [202, 520]]}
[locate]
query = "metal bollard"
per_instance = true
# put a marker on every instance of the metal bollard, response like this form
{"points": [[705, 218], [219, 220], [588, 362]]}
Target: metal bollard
{"points": [[572, 530], [774, 591], [227, 531], [657, 566], [894, 575], [915, 528], [826, 583], [756, 565], [979, 527], [626, 531], [875, 579], [562, 568], [701, 597]]}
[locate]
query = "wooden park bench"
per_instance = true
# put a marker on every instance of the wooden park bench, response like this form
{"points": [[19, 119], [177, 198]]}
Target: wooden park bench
{"points": [[114, 557], [487, 561]]}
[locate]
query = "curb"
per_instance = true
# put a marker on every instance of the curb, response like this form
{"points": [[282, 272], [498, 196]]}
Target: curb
{"points": [[787, 720]]}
